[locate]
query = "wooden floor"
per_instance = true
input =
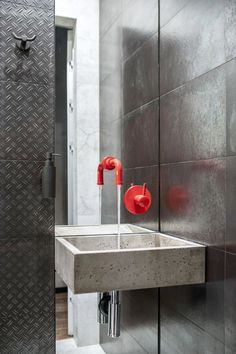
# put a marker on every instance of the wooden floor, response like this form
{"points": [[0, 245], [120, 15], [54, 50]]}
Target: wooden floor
{"points": [[61, 316]]}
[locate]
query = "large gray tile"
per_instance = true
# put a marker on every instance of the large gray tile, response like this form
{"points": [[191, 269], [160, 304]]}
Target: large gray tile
{"points": [[111, 97], [111, 50], [193, 201], [140, 22], [109, 198], [110, 139], [37, 66], [109, 11], [26, 121], [215, 271], [193, 119], [170, 8], [181, 336], [230, 29], [125, 344], [230, 304], [231, 107], [231, 205], [140, 317], [202, 304], [110, 144], [140, 76], [150, 176], [192, 43], [140, 137]]}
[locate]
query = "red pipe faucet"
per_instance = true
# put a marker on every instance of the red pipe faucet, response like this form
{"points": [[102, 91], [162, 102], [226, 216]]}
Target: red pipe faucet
{"points": [[109, 163]]}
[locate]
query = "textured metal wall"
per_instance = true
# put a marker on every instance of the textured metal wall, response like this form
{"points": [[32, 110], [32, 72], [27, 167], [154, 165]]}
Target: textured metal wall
{"points": [[26, 221]]}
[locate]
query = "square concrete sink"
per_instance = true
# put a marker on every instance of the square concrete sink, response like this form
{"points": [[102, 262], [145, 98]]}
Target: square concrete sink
{"points": [[88, 259]]}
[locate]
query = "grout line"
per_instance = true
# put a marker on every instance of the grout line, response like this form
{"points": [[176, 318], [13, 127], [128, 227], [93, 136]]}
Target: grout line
{"points": [[149, 38], [187, 3], [102, 35], [140, 108], [139, 167], [231, 253], [222, 157]]}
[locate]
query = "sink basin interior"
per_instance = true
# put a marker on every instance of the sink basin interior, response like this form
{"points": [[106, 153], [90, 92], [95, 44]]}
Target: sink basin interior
{"points": [[88, 259], [107, 229], [128, 241]]}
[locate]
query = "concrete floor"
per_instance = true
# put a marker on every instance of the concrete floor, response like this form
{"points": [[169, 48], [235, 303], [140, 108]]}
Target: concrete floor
{"points": [[68, 346]]}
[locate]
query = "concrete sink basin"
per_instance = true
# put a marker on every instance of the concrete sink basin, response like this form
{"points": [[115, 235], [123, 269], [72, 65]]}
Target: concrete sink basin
{"points": [[88, 259]]}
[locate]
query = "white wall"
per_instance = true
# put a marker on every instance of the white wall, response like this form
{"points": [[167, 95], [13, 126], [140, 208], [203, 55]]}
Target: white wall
{"points": [[86, 13], [86, 103]]}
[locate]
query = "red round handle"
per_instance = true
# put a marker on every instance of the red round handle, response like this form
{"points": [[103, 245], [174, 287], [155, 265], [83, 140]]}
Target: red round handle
{"points": [[137, 199], [141, 200]]}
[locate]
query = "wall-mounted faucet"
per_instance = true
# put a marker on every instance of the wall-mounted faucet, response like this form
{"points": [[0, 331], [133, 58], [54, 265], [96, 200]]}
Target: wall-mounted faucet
{"points": [[109, 163]]}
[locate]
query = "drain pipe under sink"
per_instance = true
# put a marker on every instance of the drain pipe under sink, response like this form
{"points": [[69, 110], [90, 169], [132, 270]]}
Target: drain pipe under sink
{"points": [[114, 315], [109, 310]]}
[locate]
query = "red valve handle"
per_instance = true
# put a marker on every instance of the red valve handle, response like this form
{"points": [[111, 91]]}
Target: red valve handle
{"points": [[141, 200], [137, 199]]}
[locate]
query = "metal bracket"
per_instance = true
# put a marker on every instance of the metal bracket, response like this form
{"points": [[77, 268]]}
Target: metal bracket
{"points": [[23, 42]]}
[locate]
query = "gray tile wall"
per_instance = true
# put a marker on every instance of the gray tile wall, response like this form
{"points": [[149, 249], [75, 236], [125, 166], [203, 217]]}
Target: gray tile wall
{"points": [[195, 116], [26, 220], [197, 119], [129, 130]]}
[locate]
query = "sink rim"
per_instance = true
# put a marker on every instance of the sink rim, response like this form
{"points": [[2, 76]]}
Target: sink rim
{"points": [[76, 251], [62, 228]]}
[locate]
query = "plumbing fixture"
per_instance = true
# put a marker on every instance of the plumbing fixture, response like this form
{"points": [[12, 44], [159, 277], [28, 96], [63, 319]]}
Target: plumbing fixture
{"points": [[23, 42], [49, 176], [103, 304], [137, 199], [114, 315], [109, 163], [112, 300]]}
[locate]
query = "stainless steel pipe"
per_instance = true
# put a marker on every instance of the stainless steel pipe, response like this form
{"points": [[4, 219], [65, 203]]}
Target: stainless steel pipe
{"points": [[101, 318], [114, 311]]}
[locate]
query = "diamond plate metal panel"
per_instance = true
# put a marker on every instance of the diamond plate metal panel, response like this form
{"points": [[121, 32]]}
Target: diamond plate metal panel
{"points": [[37, 66], [26, 121], [22, 209], [46, 4], [26, 296], [27, 309]]}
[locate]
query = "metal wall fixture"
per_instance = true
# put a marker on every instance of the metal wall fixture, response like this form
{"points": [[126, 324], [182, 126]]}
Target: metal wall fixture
{"points": [[109, 310], [48, 179], [103, 303], [23, 42], [114, 315]]}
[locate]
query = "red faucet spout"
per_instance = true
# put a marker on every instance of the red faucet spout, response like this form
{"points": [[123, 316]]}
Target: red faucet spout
{"points": [[110, 163], [100, 179]]}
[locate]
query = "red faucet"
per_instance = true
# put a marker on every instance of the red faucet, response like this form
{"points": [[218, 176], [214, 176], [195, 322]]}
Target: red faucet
{"points": [[109, 163]]}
